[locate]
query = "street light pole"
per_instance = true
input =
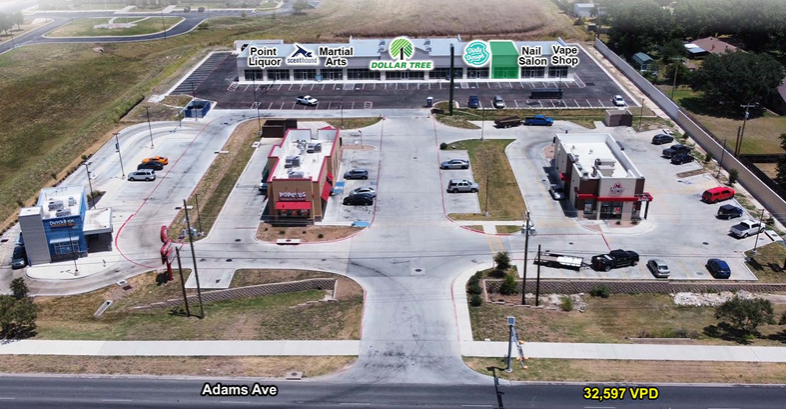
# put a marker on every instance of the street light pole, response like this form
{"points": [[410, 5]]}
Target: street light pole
{"points": [[761, 223], [90, 183], [256, 102], [511, 323], [744, 121], [674, 87], [482, 122], [163, 23], [720, 164], [199, 214], [193, 258], [641, 114], [526, 249], [117, 145], [486, 213], [150, 127], [73, 253]]}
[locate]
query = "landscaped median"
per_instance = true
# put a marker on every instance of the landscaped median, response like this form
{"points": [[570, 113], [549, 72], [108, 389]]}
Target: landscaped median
{"points": [[306, 234], [119, 26]]}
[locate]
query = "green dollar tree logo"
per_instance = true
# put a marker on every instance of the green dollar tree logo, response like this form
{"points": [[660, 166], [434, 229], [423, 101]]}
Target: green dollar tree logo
{"points": [[401, 48]]}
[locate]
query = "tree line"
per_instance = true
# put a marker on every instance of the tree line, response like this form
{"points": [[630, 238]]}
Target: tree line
{"points": [[8, 21]]}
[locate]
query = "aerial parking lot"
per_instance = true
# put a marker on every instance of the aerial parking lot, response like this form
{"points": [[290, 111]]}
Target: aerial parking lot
{"points": [[216, 79]]}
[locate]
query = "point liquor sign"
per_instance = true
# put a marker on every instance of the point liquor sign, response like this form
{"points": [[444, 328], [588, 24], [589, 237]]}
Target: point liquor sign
{"points": [[401, 50]]}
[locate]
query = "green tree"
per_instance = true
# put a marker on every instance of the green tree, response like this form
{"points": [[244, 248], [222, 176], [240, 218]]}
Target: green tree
{"points": [[701, 18], [502, 259], [300, 5], [746, 314], [734, 174], [638, 25], [684, 75], [509, 286], [738, 78], [780, 172], [19, 288], [18, 18], [6, 24], [674, 48]]}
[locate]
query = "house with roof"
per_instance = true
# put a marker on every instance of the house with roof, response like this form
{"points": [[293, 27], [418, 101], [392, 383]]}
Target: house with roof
{"points": [[643, 62], [709, 45]]}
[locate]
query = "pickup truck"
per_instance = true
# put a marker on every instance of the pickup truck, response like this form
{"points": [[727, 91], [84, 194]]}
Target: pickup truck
{"points": [[675, 149], [507, 122], [746, 228], [539, 120], [616, 258]]}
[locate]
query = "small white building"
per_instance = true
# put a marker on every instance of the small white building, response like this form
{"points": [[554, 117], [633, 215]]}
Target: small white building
{"points": [[599, 179], [583, 9]]}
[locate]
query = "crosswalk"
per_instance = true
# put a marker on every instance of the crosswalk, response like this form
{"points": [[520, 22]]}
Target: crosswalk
{"points": [[190, 84]]}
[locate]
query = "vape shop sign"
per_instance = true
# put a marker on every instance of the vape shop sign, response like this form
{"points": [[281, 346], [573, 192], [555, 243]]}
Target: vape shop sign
{"points": [[292, 196]]}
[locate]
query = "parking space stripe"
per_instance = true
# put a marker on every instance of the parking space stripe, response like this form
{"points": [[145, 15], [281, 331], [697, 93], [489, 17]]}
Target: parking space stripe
{"points": [[589, 103], [271, 106], [514, 101]]}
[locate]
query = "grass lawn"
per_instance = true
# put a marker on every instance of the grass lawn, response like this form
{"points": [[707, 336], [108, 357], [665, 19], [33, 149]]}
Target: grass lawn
{"points": [[614, 320], [502, 228], [761, 133], [81, 94], [258, 318], [461, 116], [268, 5], [488, 159], [214, 188], [581, 370], [475, 227], [86, 27], [767, 264], [310, 233], [228, 366], [349, 123], [769, 169], [96, 5]]}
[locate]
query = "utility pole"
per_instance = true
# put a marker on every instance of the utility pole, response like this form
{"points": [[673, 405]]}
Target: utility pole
{"points": [[511, 323], [674, 87], [182, 281], [150, 127], [720, 164], [761, 224], [737, 142], [193, 257], [526, 249], [452, 65], [163, 23], [90, 183], [117, 145], [73, 253], [744, 121], [641, 114], [537, 283], [256, 102], [199, 214], [486, 213], [482, 122]]}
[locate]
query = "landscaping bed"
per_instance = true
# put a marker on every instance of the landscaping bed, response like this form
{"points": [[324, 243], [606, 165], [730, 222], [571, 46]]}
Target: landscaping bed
{"points": [[768, 262], [306, 234]]}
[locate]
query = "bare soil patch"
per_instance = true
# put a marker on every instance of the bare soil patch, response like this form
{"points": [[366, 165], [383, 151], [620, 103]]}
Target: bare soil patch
{"points": [[306, 234]]}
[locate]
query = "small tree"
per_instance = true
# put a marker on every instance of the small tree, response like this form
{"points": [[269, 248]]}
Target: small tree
{"points": [[509, 286], [503, 260], [443, 146], [708, 158], [19, 288], [746, 314], [474, 288], [476, 300], [566, 303], [783, 319], [601, 291], [300, 5], [734, 174], [780, 175]]}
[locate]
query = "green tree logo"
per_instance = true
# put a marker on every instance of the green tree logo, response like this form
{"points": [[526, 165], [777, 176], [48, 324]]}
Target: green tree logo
{"points": [[401, 48]]}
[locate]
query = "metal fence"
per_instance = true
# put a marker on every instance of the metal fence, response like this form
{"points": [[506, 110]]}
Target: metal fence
{"points": [[750, 177]]}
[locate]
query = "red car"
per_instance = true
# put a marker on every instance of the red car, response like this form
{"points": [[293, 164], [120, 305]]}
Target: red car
{"points": [[717, 194]]}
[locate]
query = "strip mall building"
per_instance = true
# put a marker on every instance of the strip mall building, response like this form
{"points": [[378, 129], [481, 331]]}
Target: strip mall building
{"points": [[502, 65], [301, 174], [599, 179]]}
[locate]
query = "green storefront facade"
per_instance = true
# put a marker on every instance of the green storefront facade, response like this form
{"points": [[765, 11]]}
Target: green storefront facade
{"points": [[504, 60]]}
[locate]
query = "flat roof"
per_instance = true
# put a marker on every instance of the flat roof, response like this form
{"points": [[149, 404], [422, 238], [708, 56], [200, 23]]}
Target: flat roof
{"points": [[295, 144], [589, 147], [70, 196], [98, 221]]}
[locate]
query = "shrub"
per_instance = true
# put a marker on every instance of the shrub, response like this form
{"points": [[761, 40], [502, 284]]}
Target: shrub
{"points": [[708, 158], [475, 300], [734, 174], [509, 286], [478, 275], [600, 291], [783, 319], [443, 146], [19, 288], [566, 303], [503, 260], [473, 280], [746, 314], [474, 288], [320, 236]]}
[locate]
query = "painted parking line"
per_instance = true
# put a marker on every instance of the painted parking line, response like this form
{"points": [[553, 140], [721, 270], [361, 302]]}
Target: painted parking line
{"points": [[329, 103], [353, 105], [514, 101], [270, 106], [589, 103]]}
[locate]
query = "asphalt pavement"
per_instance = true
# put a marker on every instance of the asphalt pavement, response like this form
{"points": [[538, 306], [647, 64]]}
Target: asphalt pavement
{"points": [[84, 393]]}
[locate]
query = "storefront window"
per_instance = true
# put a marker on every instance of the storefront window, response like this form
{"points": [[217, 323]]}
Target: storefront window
{"points": [[558, 72]]}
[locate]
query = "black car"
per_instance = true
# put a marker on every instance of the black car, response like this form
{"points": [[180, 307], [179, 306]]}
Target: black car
{"points": [[360, 199], [728, 211], [356, 174], [150, 165], [615, 258], [19, 259], [718, 268], [681, 158], [675, 149], [662, 138]]}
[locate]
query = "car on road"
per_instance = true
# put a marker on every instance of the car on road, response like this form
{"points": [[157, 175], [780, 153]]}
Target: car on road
{"points": [[19, 258], [160, 159], [662, 138], [455, 164], [618, 100], [539, 120], [143, 174], [728, 211], [718, 268], [474, 102], [366, 190], [556, 192], [717, 194], [746, 228], [658, 268], [263, 187], [150, 165], [462, 185], [356, 174], [615, 258], [674, 150], [307, 100], [499, 103], [361, 199], [682, 158]]}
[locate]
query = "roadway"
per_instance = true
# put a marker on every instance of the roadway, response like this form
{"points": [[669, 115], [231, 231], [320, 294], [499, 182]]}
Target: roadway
{"points": [[84, 393]]}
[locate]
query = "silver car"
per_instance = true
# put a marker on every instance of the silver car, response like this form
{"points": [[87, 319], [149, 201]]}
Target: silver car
{"points": [[658, 268], [455, 164], [142, 174], [364, 190], [462, 185]]}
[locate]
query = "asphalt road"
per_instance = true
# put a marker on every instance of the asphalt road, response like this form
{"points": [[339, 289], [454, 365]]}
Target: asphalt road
{"points": [[84, 393]]}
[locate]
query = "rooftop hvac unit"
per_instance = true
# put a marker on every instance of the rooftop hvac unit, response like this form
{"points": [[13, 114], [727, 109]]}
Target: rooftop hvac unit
{"points": [[296, 174], [63, 212], [605, 162], [55, 204], [314, 147], [292, 162], [71, 201]]}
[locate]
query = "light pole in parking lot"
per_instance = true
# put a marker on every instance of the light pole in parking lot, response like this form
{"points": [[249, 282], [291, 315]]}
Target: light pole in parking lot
{"points": [[150, 127], [482, 122], [641, 113], [341, 104], [117, 145], [90, 183], [761, 224], [720, 163], [256, 102]]}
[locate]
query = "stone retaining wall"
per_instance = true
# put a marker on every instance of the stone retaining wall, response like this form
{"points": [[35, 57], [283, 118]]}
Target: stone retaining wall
{"points": [[633, 287]]}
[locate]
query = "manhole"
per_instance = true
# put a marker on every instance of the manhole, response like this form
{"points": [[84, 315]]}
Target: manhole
{"points": [[705, 243], [570, 242], [418, 271], [324, 259], [229, 260], [237, 240]]}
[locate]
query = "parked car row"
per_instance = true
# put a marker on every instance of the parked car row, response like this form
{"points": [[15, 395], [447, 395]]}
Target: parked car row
{"points": [[147, 169], [658, 267], [362, 196]]}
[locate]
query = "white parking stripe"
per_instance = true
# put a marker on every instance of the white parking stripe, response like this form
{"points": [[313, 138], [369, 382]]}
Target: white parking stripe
{"points": [[271, 106], [590, 103], [517, 104]]}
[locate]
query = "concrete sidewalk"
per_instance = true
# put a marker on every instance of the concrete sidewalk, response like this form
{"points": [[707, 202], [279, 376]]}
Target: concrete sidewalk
{"points": [[643, 352], [181, 348]]}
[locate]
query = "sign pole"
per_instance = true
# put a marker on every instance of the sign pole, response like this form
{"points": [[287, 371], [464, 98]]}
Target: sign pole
{"points": [[182, 281], [193, 257]]}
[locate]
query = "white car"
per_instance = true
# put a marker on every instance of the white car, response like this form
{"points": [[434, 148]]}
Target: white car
{"points": [[365, 190], [143, 174], [455, 164], [618, 101], [307, 100]]}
